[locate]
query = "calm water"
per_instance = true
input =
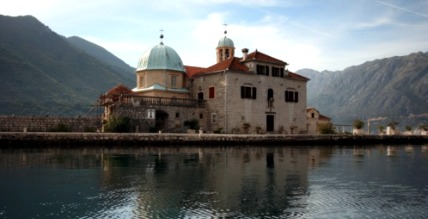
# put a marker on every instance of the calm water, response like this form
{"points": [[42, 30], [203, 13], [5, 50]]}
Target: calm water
{"points": [[240, 182]]}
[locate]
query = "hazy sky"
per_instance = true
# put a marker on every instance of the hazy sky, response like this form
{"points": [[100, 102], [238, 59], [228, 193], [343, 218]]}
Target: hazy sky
{"points": [[318, 34]]}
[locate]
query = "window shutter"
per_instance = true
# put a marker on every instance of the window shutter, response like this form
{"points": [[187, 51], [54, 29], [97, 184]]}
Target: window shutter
{"points": [[267, 70], [242, 92], [296, 97], [254, 92], [211, 92]]}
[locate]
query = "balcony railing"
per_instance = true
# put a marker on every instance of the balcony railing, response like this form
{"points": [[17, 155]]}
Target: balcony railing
{"points": [[154, 101]]}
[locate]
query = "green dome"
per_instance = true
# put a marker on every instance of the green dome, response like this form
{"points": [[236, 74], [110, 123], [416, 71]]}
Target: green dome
{"points": [[225, 42], [160, 57]]}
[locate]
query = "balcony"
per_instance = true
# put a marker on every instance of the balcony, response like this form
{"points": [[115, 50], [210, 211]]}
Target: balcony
{"points": [[136, 100]]}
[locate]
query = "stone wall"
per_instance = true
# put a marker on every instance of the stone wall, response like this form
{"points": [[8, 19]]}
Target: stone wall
{"points": [[234, 112], [49, 124], [175, 117]]}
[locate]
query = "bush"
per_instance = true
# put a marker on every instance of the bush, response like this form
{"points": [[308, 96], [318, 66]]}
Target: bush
{"points": [[118, 124], [192, 124], [326, 128], [60, 128], [358, 124]]}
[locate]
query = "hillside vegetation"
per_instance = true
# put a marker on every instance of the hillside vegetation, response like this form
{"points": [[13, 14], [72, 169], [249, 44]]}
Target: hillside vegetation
{"points": [[42, 73]]}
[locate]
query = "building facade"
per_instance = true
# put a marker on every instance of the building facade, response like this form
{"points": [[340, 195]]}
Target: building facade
{"points": [[254, 93]]}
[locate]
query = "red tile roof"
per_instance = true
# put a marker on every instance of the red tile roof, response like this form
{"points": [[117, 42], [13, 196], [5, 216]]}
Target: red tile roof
{"points": [[119, 89], [236, 64], [193, 70], [261, 57], [228, 64], [233, 64], [297, 76], [323, 117]]}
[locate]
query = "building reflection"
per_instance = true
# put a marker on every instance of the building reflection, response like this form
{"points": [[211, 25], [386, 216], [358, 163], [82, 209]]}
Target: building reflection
{"points": [[193, 181], [224, 181]]}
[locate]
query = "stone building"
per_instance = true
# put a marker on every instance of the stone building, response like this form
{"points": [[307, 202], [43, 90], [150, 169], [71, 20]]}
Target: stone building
{"points": [[315, 119], [254, 93]]}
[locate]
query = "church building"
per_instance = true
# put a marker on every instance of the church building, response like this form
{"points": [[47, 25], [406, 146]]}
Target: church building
{"points": [[254, 93]]}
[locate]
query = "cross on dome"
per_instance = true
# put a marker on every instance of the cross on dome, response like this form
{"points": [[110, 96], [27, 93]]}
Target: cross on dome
{"points": [[161, 36]]}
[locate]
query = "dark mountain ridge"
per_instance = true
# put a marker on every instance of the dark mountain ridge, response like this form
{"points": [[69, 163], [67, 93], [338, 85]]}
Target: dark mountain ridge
{"points": [[42, 73]]}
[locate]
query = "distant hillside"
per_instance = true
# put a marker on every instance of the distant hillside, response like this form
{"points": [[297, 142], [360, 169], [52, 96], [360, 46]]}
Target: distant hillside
{"points": [[103, 55], [395, 88], [42, 73]]}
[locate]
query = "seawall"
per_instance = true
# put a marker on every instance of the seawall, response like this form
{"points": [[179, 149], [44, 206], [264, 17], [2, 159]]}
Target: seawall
{"points": [[48, 123], [43, 139]]}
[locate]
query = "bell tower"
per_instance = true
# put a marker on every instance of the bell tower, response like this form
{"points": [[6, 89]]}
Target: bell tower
{"points": [[225, 48]]}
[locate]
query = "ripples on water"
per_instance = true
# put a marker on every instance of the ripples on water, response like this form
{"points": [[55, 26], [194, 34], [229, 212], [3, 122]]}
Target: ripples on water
{"points": [[241, 182]]}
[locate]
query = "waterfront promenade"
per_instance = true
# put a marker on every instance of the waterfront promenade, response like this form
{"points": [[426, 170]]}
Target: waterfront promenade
{"points": [[41, 139]]}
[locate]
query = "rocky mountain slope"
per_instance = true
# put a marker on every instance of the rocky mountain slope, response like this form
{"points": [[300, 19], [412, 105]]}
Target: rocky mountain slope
{"points": [[395, 89]]}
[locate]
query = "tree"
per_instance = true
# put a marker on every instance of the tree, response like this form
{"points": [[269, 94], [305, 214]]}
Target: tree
{"points": [[393, 124], [358, 124], [408, 128], [381, 128]]}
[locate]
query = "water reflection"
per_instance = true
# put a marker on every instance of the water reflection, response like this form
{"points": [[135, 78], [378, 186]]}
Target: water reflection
{"points": [[239, 182]]}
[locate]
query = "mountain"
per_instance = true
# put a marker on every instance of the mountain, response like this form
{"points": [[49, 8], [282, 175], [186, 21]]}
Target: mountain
{"points": [[102, 55], [395, 89], [42, 73]]}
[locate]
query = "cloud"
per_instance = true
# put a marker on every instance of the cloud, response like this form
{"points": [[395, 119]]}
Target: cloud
{"points": [[374, 23]]}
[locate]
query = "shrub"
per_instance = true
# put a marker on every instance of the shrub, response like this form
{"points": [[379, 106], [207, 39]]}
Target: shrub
{"points": [[326, 128], [89, 129], [192, 124], [60, 128], [118, 124]]}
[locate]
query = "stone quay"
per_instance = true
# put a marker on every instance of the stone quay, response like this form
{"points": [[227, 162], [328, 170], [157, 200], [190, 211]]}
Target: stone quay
{"points": [[72, 139]]}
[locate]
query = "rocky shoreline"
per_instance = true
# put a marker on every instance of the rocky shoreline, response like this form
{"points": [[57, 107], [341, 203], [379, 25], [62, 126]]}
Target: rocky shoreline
{"points": [[41, 139]]}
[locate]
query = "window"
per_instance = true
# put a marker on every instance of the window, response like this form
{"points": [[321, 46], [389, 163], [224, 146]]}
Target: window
{"points": [[173, 81], [200, 96], [201, 115], [141, 81], [214, 118], [248, 92], [211, 93], [277, 72], [291, 96], [263, 70], [177, 115], [270, 97], [227, 53], [313, 115]]}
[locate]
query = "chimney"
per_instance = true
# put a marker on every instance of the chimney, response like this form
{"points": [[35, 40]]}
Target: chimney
{"points": [[244, 54]]}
